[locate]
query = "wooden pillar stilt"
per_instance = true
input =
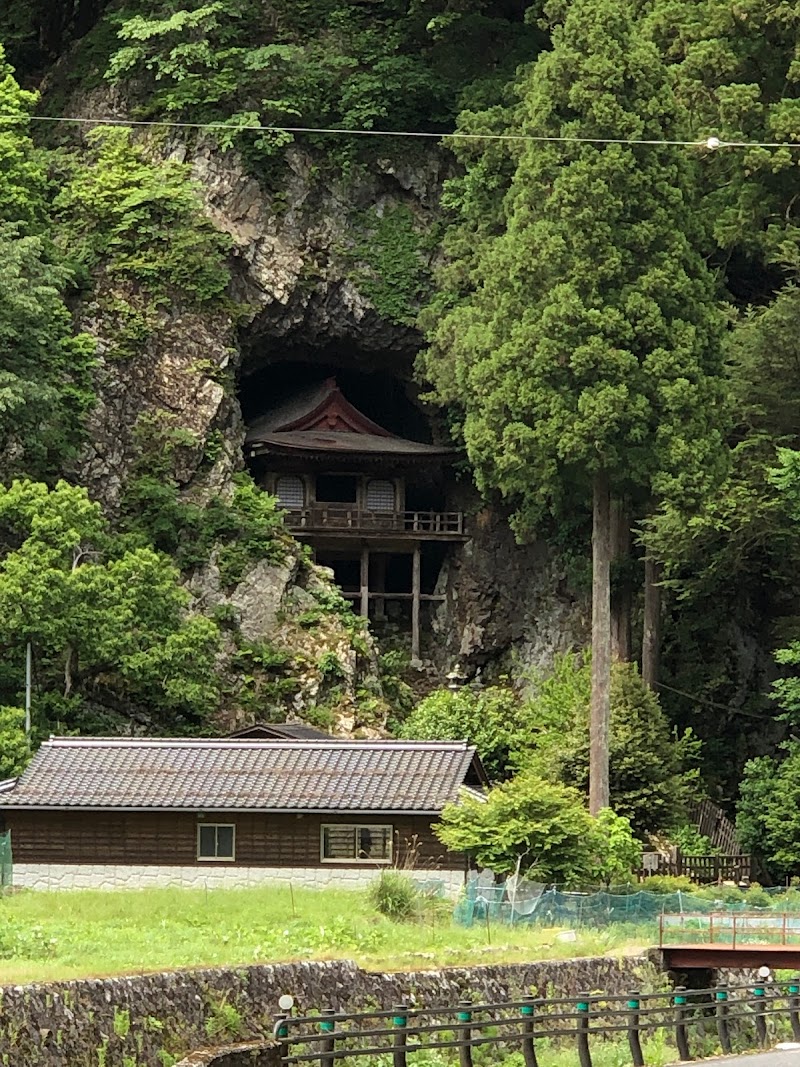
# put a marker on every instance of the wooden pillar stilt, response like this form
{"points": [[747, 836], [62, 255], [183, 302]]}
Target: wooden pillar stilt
{"points": [[365, 583], [379, 583], [415, 588]]}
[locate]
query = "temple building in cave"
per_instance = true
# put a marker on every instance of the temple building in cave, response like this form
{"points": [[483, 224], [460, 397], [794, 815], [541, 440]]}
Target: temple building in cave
{"points": [[371, 504]]}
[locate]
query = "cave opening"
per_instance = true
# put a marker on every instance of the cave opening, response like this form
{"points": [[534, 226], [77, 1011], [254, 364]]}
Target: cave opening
{"points": [[352, 459], [381, 396]]}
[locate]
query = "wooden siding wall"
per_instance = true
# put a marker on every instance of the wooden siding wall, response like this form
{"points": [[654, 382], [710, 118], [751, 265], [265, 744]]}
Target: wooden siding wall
{"points": [[170, 838]]}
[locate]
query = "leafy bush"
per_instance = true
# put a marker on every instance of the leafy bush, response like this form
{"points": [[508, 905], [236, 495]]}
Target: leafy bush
{"points": [[768, 812], [394, 895], [243, 530], [757, 897], [691, 842], [224, 1020], [668, 883], [15, 749], [488, 719], [543, 827]]}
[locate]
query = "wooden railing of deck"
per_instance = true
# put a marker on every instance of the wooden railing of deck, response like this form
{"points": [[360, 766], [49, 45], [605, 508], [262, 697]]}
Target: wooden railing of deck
{"points": [[323, 517], [703, 870]]}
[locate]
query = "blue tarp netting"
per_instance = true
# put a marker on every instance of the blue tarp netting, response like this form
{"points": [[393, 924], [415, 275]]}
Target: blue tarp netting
{"points": [[5, 861]]}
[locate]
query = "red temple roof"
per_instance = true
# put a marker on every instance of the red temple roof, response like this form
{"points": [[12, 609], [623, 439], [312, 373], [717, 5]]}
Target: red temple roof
{"points": [[322, 419]]}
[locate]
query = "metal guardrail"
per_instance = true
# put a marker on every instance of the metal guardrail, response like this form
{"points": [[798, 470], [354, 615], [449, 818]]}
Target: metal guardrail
{"points": [[730, 928], [744, 1011]]}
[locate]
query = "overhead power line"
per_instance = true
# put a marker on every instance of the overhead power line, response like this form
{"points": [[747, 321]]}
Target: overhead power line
{"points": [[712, 143]]}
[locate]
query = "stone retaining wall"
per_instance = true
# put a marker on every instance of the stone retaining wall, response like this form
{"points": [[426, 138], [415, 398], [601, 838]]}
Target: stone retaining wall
{"points": [[248, 1055], [203, 876], [153, 1020]]}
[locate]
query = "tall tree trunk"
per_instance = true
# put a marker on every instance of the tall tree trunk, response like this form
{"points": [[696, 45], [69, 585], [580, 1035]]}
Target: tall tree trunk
{"points": [[69, 661], [651, 629], [601, 644], [622, 594]]}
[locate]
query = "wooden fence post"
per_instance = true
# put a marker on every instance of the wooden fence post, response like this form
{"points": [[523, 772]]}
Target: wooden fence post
{"points": [[465, 1033], [634, 1040], [759, 1007], [328, 1045], [794, 1006], [681, 1037], [400, 1023], [528, 1049], [723, 1030], [584, 1052]]}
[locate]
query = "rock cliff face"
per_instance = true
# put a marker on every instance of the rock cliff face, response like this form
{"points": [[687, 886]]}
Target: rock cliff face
{"points": [[311, 290]]}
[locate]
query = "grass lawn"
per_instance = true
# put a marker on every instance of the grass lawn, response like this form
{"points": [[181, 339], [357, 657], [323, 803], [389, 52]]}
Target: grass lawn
{"points": [[45, 936]]}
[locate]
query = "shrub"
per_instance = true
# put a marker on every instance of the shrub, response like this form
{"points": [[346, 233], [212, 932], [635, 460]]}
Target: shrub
{"points": [[691, 842], [541, 827], [668, 883], [394, 895], [757, 897], [768, 812], [488, 719]]}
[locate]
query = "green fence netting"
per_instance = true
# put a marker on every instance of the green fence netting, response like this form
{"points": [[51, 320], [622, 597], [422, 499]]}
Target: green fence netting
{"points": [[5, 861], [519, 901]]}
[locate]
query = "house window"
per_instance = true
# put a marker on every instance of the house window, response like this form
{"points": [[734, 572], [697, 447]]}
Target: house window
{"points": [[380, 495], [348, 843], [216, 841], [291, 492]]}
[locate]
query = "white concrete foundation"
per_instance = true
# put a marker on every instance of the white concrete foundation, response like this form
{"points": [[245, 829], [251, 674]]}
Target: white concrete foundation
{"points": [[211, 876]]}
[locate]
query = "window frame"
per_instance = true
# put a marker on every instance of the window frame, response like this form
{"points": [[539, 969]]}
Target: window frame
{"points": [[356, 826], [383, 482], [303, 492], [217, 826]]}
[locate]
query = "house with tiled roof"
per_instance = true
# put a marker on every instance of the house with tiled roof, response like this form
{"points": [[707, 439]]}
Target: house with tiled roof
{"points": [[119, 812]]}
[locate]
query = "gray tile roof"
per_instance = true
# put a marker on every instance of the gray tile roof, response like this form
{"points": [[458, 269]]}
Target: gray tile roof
{"points": [[226, 775]]}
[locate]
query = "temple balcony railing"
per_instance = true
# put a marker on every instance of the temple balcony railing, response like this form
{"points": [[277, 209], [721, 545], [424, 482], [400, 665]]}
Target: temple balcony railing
{"points": [[338, 518]]}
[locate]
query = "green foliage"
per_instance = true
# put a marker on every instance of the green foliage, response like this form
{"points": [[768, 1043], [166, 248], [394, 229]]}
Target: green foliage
{"points": [[397, 277], [330, 666], [489, 719], [785, 479], [669, 883], [736, 68], [394, 895], [224, 1020], [313, 63], [767, 816], [239, 531], [45, 388], [691, 842], [541, 826], [621, 852], [141, 220], [652, 772], [575, 323], [108, 621], [15, 750]]}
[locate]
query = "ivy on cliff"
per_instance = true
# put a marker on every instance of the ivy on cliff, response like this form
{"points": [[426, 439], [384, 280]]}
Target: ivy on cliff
{"points": [[239, 530], [141, 220]]}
